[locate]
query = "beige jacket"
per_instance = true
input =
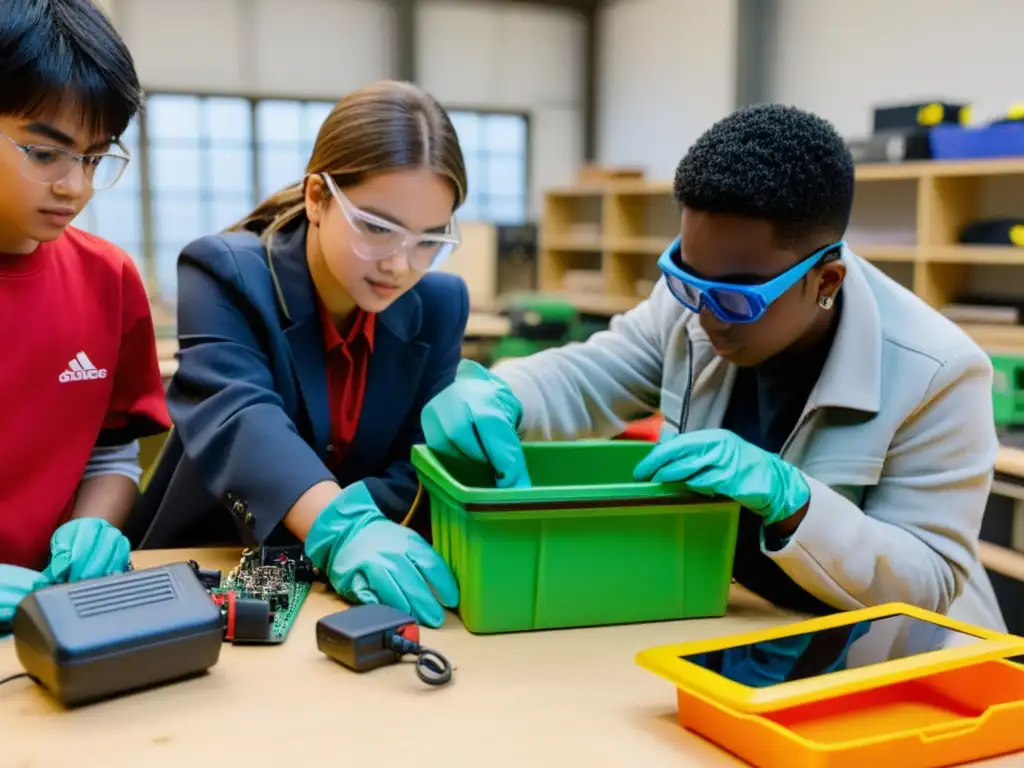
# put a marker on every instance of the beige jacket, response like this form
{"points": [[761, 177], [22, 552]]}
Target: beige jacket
{"points": [[897, 440]]}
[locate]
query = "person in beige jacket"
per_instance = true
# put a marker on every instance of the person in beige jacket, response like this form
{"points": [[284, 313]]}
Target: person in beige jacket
{"points": [[851, 421]]}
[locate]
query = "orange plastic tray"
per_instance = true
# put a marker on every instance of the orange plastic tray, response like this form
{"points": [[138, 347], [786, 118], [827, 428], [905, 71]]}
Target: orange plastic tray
{"points": [[947, 719], [956, 702]]}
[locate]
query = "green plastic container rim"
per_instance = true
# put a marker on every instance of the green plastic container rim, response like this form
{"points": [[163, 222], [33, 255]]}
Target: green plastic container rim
{"points": [[617, 494]]}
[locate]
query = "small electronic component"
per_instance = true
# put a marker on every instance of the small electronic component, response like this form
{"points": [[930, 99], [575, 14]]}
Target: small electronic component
{"points": [[261, 597], [105, 637], [366, 637]]}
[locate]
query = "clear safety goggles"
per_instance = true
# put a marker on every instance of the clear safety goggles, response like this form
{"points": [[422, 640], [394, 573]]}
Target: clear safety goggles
{"points": [[376, 238], [46, 164]]}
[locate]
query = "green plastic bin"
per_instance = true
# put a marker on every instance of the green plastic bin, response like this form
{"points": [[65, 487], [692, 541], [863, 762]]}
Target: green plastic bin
{"points": [[585, 546]]}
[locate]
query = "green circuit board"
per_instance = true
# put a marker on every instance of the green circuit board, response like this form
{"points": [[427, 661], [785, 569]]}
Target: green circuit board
{"points": [[261, 597]]}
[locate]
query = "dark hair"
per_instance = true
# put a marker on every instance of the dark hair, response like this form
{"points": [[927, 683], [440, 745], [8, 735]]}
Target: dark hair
{"points": [[384, 126], [58, 52], [772, 162]]}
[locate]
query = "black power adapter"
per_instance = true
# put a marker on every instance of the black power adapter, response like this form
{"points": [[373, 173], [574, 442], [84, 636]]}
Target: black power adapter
{"points": [[366, 637], [103, 637]]}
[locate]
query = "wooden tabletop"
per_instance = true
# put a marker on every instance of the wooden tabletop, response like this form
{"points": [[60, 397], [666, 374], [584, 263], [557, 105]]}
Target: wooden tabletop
{"points": [[536, 699], [532, 699]]}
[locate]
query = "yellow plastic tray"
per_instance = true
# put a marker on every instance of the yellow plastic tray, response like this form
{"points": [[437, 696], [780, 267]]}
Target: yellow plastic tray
{"points": [[936, 708]]}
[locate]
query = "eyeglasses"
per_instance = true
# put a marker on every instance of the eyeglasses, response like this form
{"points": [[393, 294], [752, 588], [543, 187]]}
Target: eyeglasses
{"points": [[735, 302], [47, 164], [377, 239]]}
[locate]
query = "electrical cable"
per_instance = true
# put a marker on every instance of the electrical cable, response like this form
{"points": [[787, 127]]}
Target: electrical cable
{"points": [[9, 678], [431, 667], [414, 506]]}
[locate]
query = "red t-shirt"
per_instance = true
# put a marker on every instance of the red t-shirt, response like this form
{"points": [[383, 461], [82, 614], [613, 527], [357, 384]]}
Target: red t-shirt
{"points": [[79, 363], [348, 359]]}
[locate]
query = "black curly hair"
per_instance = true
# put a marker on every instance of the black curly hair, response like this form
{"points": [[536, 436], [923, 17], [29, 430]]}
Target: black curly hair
{"points": [[776, 163]]}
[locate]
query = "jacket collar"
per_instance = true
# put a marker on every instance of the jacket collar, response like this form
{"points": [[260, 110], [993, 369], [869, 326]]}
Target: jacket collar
{"points": [[296, 294], [852, 375], [393, 330]]}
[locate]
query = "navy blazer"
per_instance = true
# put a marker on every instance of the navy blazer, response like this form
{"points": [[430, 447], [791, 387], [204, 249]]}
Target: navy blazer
{"points": [[249, 400]]}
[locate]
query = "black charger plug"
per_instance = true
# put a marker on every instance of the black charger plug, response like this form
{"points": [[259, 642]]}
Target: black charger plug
{"points": [[366, 637]]}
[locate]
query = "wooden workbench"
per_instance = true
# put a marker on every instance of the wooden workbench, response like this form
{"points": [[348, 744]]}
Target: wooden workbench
{"points": [[531, 699]]}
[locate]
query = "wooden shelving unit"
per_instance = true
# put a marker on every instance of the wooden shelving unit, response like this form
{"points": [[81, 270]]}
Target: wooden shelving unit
{"points": [[906, 219]]}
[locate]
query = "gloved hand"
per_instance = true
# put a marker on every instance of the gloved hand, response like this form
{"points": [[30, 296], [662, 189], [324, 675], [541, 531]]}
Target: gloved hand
{"points": [[477, 416], [716, 461], [15, 585], [86, 548], [370, 559]]}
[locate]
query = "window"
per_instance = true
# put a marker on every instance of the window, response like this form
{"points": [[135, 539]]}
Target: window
{"points": [[115, 214], [494, 146], [286, 132], [210, 159], [200, 171]]}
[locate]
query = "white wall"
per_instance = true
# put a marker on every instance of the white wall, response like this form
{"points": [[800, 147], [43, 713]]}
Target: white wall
{"points": [[838, 58], [471, 53], [667, 72], [315, 48], [517, 57]]}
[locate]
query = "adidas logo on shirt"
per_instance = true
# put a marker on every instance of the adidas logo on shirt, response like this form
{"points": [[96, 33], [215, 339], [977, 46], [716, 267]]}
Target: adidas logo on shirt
{"points": [[80, 368]]}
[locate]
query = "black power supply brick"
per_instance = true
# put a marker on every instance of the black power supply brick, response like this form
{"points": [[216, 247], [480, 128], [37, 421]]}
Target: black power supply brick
{"points": [[99, 638], [366, 637]]}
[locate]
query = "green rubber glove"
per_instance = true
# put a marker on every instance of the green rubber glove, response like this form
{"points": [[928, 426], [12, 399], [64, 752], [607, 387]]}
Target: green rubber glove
{"points": [[476, 417], [717, 462], [87, 548], [371, 559], [15, 585]]}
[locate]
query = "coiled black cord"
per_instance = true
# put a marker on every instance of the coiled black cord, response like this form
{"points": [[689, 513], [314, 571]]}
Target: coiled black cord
{"points": [[431, 667]]}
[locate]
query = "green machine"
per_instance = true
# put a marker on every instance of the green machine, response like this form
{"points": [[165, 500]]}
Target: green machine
{"points": [[539, 322]]}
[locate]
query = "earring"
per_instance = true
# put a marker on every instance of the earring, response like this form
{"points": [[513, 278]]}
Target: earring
{"points": [[825, 302]]}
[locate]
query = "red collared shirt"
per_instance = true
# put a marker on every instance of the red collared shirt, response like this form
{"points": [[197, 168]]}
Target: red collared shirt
{"points": [[348, 359]]}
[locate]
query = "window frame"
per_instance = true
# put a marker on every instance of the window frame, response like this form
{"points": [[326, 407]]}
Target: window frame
{"points": [[148, 245]]}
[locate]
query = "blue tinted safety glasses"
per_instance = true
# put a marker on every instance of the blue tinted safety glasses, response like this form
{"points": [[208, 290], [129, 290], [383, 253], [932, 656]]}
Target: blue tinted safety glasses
{"points": [[733, 302]]}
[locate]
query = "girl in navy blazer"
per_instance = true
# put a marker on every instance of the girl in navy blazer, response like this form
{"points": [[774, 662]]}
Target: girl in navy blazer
{"points": [[311, 335]]}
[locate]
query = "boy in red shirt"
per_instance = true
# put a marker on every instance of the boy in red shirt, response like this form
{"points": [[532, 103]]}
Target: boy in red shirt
{"points": [[80, 380]]}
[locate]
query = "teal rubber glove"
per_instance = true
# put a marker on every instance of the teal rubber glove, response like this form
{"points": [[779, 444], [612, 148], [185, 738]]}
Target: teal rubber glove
{"points": [[717, 462], [87, 548], [477, 417], [370, 559], [15, 585]]}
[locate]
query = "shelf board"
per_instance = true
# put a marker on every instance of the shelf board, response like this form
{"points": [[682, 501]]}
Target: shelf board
{"points": [[652, 245], [584, 190], [889, 171], [995, 338], [995, 255], [1002, 166], [999, 166], [640, 188], [578, 243], [977, 255], [1008, 562], [919, 169], [886, 253]]}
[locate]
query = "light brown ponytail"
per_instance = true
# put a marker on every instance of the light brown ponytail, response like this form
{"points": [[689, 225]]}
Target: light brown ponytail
{"points": [[385, 126]]}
